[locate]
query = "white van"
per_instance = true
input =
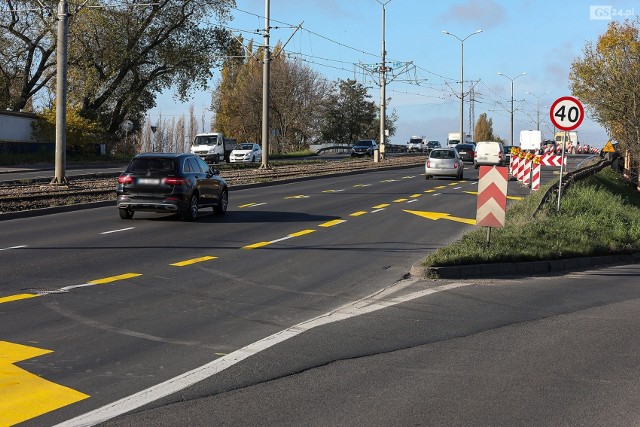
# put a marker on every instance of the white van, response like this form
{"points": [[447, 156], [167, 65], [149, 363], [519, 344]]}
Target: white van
{"points": [[490, 153]]}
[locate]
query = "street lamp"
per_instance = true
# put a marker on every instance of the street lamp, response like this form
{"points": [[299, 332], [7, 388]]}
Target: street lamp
{"points": [[512, 79], [538, 110], [462, 138], [383, 87]]}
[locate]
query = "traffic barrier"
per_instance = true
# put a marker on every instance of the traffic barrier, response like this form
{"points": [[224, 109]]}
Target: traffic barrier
{"points": [[535, 174]]}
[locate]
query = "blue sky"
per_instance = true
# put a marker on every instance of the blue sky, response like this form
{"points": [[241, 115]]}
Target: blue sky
{"points": [[341, 38]]}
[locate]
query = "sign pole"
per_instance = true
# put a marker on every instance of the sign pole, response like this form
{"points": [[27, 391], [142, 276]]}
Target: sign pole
{"points": [[566, 135]]}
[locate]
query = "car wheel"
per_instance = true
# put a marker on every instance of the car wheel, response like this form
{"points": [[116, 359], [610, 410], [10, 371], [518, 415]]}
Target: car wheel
{"points": [[427, 177], [216, 159], [191, 213], [461, 174], [475, 165], [253, 159], [125, 213], [223, 203]]}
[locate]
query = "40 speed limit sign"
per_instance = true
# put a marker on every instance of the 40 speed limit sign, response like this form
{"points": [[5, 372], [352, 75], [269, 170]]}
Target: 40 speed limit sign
{"points": [[566, 113]]}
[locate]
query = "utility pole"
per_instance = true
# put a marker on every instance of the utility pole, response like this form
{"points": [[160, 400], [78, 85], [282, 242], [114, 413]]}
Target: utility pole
{"points": [[538, 108], [512, 79], [383, 88], [61, 94], [265, 90]]}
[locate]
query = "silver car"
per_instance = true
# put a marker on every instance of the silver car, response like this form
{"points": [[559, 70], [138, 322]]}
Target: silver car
{"points": [[443, 162]]}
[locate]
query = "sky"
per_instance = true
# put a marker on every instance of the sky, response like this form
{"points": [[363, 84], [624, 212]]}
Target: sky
{"points": [[342, 39]]}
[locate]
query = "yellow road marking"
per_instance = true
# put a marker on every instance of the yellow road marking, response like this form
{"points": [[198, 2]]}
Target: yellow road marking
{"points": [[475, 193], [23, 395], [332, 223], [429, 191], [114, 278], [193, 261], [440, 187], [247, 205], [380, 206], [413, 196], [358, 213], [301, 233], [299, 196], [256, 245], [400, 200], [441, 215], [17, 297]]}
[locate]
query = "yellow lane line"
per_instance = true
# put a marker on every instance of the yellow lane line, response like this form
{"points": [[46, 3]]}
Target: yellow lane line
{"points": [[301, 233], [17, 297], [429, 191], [332, 223], [400, 200], [413, 196], [193, 261], [358, 213], [113, 278], [256, 245], [381, 206]]}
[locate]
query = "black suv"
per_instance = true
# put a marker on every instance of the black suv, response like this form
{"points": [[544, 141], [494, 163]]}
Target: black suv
{"points": [[170, 182], [364, 147]]}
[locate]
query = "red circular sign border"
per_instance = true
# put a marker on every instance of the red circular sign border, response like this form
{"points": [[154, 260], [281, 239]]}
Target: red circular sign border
{"points": [[567, 98]]}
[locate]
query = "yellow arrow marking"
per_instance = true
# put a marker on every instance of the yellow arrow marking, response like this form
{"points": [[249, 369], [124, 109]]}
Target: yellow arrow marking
{"points": [[24, 395], [192, 261], [441, 215]]}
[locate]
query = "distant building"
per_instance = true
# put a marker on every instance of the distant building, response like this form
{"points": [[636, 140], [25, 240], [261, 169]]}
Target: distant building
{"points": [[16, 133]]}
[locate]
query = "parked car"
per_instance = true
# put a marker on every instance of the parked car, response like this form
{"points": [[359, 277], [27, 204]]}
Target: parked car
{"points": [[364, 147], [489, 153], [170, 183], [444, 162], [466, 152], [246, 152]]}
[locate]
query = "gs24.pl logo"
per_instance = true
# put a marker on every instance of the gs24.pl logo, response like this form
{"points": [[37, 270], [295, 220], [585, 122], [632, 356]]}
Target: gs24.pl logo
{"points": [[608, 13]]}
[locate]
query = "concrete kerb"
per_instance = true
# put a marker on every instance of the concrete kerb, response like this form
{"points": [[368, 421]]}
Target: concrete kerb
{"points": [[530, 268]]}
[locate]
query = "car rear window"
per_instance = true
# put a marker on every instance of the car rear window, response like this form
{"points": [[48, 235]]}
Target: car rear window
{"points": [[364, 143], [144, 165], [443, 154]]}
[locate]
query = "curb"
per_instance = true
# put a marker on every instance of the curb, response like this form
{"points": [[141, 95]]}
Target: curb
{"points": [[531, 268]]}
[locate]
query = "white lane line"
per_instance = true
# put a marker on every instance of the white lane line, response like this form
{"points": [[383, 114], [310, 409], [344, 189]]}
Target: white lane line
{"points": [[13, 247], [117, 231], [365, 305]]}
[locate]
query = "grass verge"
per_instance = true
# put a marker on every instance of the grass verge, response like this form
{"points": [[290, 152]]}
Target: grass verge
{"points": [[598, 216]]}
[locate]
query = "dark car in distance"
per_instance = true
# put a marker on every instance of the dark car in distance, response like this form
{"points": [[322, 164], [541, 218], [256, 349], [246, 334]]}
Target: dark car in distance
{"points": [[364, 147], [466, 152], [170, 183]]}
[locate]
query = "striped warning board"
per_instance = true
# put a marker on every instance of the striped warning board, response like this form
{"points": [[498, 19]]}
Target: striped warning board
{"points": [[492, 196]]}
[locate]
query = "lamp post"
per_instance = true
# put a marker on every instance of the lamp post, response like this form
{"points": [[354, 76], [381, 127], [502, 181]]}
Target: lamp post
{"points": [[462, 138], [538, 108], [512, 79]]}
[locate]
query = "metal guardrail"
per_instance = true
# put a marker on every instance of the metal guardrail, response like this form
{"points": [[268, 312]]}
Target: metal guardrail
{"points": [[571, 178]]}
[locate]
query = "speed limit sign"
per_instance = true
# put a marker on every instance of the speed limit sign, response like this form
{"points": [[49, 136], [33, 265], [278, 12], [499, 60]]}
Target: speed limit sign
{"points": [[566, 113]]}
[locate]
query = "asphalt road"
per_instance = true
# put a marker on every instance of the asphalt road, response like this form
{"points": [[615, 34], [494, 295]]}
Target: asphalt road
{"points": [[127, 305]]}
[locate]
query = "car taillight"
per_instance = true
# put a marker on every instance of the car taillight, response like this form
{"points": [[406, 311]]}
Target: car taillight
{"points": [[455, 165], [428, 164], [174, 180], [125, 179]]}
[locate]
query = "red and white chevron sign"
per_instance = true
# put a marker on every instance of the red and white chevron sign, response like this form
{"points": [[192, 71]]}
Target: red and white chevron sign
{"points": [[550, 160], [492, 196]]}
